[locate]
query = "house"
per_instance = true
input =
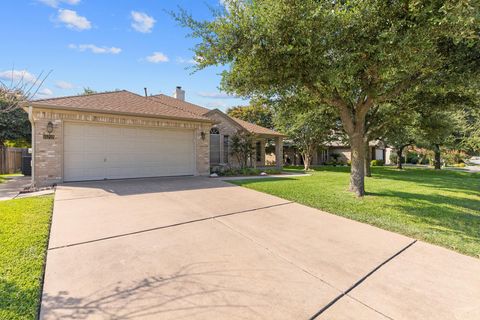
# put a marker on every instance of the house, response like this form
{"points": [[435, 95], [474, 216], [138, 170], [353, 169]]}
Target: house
{"points": [[115, 135], [336, 151]]}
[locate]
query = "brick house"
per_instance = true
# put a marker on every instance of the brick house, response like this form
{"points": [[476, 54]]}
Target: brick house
{"points": [[116, 135]]}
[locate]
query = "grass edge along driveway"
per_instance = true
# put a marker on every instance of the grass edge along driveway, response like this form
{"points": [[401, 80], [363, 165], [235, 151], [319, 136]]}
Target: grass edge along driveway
{"points": [[439, 207], [24, 228]]}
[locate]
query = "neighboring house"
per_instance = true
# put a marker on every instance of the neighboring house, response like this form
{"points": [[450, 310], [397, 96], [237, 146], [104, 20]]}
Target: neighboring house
{"points": [[335, 151], [120, 134]]}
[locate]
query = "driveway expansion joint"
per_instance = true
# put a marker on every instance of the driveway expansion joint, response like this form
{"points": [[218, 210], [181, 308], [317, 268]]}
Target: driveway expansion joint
{"points": [[356, 284], [167, 226]]}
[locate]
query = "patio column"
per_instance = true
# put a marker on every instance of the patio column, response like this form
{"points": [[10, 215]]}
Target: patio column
{"points": [[279, 152]]}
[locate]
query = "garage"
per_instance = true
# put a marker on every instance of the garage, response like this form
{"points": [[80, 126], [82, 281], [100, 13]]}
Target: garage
{"points": [[115, 135], [96, 152]]}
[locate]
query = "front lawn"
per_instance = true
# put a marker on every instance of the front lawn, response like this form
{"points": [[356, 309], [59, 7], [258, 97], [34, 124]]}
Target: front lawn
{"points": [[24, 225], [440, 207]]}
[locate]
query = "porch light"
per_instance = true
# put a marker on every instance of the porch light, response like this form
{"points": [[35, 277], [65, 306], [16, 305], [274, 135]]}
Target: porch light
{"points": [[202, 135], [49, 127]]}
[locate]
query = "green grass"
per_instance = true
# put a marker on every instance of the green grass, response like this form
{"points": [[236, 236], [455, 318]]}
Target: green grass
{"points": [[6, 177], [24, 225], [440, 207]]}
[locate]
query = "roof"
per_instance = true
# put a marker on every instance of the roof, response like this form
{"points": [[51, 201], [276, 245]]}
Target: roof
{"points": [[254, 128], [196, 109], [122, 102], [184, 105]]}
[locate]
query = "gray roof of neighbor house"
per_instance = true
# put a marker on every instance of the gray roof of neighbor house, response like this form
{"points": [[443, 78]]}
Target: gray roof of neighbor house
{"points": [[120, 102], [193, 108]]}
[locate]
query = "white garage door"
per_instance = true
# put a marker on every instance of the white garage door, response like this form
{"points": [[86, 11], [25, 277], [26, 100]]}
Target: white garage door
{"points": [[96, 152]]}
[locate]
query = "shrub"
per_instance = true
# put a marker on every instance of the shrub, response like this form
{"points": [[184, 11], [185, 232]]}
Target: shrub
{"points": [[377, 163], [412, 157], [273, 171]]}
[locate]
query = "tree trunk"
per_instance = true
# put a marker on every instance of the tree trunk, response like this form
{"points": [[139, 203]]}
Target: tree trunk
{"points": [[399, 158], [306, 161], [368, 159], [357, 171], [436, 150]]}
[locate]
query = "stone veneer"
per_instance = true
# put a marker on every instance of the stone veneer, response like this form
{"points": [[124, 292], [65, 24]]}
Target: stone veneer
{"points": [[48, 153]]}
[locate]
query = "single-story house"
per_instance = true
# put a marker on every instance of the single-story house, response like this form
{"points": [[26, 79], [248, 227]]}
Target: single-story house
{"points": [[335, 151], [116, 135]]}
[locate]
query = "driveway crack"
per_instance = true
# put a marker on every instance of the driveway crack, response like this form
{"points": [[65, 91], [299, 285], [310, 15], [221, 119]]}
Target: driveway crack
{"points": [[356, 284], [167, 226]]}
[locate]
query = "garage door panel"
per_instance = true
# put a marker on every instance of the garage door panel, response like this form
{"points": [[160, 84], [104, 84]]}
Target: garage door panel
{"points": [[109, 152], [94, 131]]}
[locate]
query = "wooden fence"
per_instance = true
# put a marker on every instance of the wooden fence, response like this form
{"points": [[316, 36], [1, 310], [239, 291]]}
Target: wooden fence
{"points": [[11, 159]]}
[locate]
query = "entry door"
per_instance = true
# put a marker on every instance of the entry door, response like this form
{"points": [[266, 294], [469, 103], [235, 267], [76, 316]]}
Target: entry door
{"points": [[96, 152]]}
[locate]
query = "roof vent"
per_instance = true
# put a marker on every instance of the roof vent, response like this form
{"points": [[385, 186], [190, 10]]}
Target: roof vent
{"points": [[179, 93]]}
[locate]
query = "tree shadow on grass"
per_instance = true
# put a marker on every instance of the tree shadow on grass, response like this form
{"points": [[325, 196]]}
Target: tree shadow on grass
{"points": [[468, 183], [14, 300], [448, 215]]}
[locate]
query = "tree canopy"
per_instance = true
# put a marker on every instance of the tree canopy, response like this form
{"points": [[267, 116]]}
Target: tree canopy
{"points": [[352, 55], [254, 113], [14, 126]]}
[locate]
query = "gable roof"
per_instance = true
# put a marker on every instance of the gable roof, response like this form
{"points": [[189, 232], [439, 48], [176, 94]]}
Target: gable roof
{"points": [[254, 128], [193, 108], [120, 102]]}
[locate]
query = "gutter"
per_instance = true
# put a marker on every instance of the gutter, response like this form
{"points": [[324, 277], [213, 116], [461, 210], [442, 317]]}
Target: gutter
{"points": [[140, 115]]}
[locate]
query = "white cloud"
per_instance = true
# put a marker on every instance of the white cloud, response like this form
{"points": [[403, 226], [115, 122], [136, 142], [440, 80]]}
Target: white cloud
{"points": [[216, 104], [186, 61], [44, 93], [56, 3], [216, 95], [72, 20], [157, 57], [64, 85], [95, 49], [17, 76], [142, 22]]}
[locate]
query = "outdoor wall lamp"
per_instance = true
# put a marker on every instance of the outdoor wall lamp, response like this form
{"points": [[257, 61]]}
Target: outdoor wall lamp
{"points": [[202, 135], [49, 127]]}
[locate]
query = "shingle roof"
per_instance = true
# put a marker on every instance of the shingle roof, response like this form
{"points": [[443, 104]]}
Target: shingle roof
{"points": [[253, 128], [119, 102], [184, 105], [190, 107]]}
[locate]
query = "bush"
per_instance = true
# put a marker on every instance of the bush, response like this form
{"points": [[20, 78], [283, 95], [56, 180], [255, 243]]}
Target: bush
{"points": [[412, 157], [241, 172], [273, 171], [377, 163]]}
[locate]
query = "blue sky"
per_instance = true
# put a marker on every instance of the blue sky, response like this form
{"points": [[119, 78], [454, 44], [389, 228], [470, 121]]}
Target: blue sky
{"points": [[107, 45]]}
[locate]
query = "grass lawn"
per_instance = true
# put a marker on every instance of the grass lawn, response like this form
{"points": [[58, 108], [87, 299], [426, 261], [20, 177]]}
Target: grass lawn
{"points": [[440, 207], [24, 225], [5, 177]]}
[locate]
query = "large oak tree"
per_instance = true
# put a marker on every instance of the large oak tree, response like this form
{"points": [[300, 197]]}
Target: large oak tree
{"points": [[352, 55]]}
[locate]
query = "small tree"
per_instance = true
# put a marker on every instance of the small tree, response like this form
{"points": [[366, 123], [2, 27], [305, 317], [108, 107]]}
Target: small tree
{"points": [[309, 124], [14, 124], [242, 148]]}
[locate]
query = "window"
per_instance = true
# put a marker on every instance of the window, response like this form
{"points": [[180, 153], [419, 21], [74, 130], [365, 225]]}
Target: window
{"points": [[258, 151], [214, 146], [225, 149]]}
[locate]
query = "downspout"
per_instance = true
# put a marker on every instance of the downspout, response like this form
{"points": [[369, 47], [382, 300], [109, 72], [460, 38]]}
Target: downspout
{"points": [[32, 162]]}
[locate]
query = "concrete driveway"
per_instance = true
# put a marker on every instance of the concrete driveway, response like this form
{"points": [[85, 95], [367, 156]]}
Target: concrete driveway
{"points": [[199, 248]]}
